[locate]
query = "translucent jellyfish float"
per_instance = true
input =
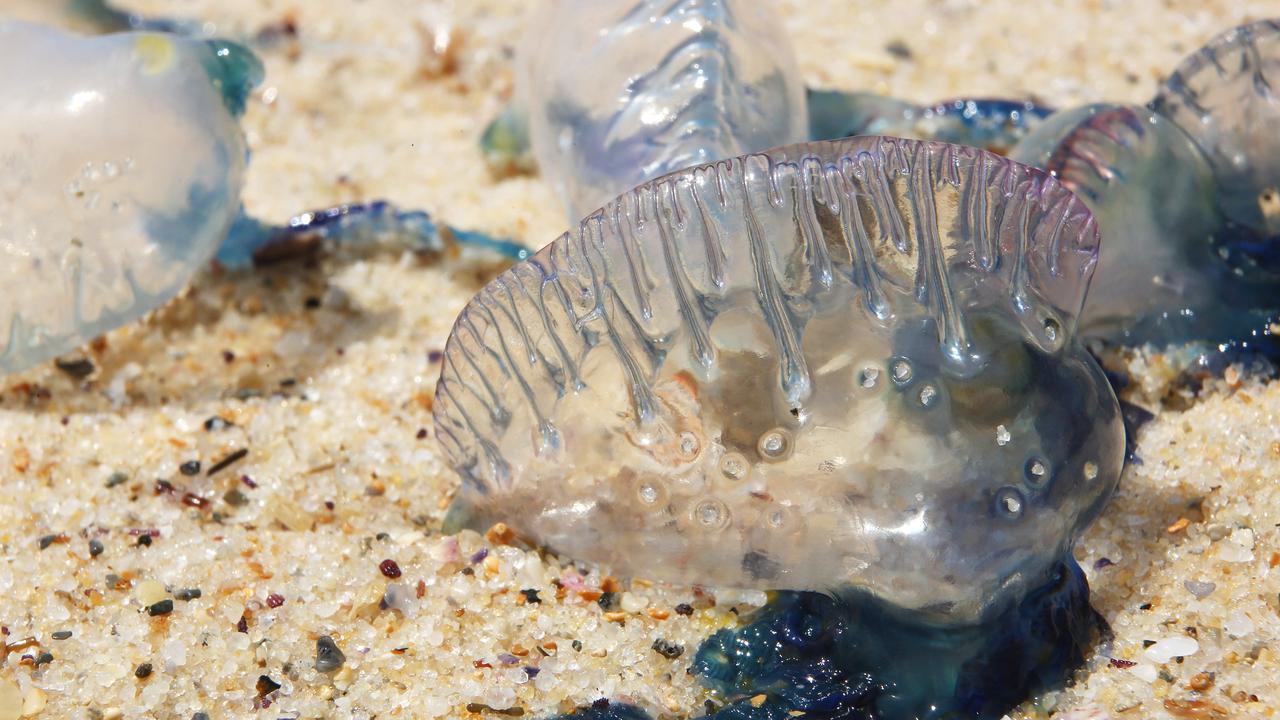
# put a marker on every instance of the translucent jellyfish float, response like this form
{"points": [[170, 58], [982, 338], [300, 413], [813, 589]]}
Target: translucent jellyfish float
{"points": [[849, 367], [621, 91], [1186, 186], [1187, 195], [1186, 189], [120, 173], [122, 170]]}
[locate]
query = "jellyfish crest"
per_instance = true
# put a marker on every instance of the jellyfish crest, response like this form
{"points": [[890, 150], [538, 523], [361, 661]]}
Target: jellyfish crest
{"points": [[1227, 98], [122, 167], [1159, 256], [830, 364], [621, 91]]}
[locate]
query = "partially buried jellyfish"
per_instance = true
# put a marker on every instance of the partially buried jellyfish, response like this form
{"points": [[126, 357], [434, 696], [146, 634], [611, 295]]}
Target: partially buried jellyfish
{"points": [[121, 162], [1187, 195], [621, 91], [844, 366]]}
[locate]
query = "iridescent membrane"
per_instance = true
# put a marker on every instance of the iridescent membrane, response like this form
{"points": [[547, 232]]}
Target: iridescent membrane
{"points": [[122, 171], [847, 367], [1189, 188], [1227, 98], [621, 91], [838, 364], [1152, 193], [1185, 193]]}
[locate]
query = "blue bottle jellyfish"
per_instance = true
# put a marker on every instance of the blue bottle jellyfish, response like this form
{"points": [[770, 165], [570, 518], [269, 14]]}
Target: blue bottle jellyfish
{"points": [[620, 91], [1185, 192], [849, 367], [122, 165]]}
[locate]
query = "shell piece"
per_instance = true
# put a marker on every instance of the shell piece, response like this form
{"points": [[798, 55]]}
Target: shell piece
{"points": [[122, 165], [621, 91], [1227, 98], [840, 363], [1151, 191], [991, 124]]}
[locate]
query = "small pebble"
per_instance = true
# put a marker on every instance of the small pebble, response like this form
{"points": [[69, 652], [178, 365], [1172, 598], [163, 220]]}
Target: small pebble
{"points": [[1201, 682], [1200, 589], [898, 49], [500, 534], [164, 607], [389, 568], [265, 685], [61, 635], [190, 468], [667, 649], [275, 600], [531, 595], [633, 603], [76, 366], [684, 609], [187, 594], [142, 671], [1165, 650], [44, 658], [328, 656], [95, 547], [144, 541], [150, 592]]}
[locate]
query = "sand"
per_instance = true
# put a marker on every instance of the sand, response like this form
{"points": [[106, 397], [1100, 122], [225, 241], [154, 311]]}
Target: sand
{"points": [[324, 374]]}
